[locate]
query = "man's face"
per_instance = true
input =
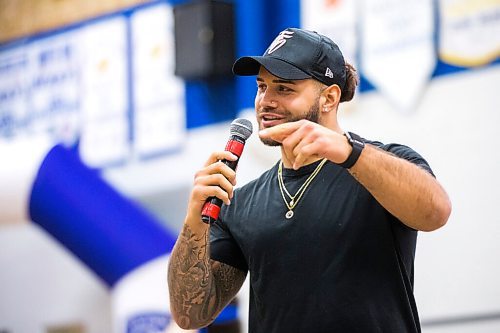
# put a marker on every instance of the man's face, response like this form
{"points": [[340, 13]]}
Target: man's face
{"points": [[279, 101]]}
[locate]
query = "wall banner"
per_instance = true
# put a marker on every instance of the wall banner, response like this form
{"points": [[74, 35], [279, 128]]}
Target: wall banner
{"points": [[469, 32], [397, 48], [335, 19], [54, 100], [159, 122], [14, 92], [105, 123]]}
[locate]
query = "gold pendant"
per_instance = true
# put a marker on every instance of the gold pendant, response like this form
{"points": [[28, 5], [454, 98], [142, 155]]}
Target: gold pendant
{"points": [[289, 214]]}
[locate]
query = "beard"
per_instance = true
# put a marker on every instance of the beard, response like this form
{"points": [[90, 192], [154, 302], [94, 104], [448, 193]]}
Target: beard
{"points": [[312, 115]]}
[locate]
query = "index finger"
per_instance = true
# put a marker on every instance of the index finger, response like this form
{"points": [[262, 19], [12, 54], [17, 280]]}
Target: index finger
{"points": [[280, 132], [219, 156]]}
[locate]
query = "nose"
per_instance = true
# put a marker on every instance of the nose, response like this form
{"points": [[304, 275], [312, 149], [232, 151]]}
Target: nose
{"points": [[267, 100]]}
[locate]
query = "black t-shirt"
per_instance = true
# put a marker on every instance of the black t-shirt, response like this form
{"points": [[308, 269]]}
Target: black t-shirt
{"points": [[342, 263]]}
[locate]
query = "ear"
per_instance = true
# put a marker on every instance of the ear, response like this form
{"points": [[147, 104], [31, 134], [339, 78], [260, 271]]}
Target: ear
{"points": [[330, 98]]}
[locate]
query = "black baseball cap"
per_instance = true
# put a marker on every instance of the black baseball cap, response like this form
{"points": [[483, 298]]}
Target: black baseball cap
{"points": [[297, 54]]}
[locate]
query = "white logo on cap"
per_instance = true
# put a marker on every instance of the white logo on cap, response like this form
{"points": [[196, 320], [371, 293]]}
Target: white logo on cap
{"points": [[329, 73], [279, 41]]}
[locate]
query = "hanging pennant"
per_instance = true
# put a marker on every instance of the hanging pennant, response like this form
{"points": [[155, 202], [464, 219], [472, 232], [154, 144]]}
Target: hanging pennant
{"points": [[159, 113], [105, 124], [469, 32], [397, 51], [335, 19]]}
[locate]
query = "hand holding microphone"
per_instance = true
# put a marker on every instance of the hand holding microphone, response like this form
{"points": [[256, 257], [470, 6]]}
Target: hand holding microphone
{"points": [[240, 131]]}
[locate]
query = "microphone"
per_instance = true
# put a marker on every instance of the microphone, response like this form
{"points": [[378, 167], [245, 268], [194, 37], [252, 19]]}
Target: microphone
{"points": [[240, 131]]}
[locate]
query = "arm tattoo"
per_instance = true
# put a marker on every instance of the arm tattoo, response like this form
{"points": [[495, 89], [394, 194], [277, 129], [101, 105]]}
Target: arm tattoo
{"points": [[199, 287]]}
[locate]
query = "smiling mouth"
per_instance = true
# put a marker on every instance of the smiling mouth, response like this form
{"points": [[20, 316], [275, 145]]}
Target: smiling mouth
{"points": [[271, 117], [270, 120]]}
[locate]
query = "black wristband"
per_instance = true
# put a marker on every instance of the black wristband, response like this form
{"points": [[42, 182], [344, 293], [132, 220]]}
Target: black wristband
{"points": [[357, 145]]}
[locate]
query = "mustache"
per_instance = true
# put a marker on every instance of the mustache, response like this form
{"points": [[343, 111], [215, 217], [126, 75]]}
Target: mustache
{"points": [[267, 110], [264, 110]]}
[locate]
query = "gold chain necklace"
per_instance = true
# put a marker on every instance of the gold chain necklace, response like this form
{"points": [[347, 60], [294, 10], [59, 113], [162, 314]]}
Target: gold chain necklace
{"points": [[294, 199]]}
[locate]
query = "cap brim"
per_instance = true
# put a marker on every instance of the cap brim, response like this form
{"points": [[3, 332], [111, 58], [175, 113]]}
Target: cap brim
{"points": [[251, 65]]}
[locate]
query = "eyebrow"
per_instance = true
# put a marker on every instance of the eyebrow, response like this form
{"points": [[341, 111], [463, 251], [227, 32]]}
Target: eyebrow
{"points": [[278, 81]]}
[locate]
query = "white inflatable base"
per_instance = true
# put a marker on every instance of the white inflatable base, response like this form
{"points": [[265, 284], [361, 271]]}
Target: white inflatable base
{"points": [[140, 300]]}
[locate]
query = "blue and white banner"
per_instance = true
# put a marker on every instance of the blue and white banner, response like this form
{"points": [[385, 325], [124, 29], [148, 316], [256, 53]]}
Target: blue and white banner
{"points": [[107, 85], [335, 19], [159, 104], [105, 107], [39, 85], [14, 89], [397, 48], [469, 32], [54, 98]]}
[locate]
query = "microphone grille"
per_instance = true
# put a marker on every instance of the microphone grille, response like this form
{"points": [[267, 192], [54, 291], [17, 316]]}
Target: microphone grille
{"points": [[241, 127]]}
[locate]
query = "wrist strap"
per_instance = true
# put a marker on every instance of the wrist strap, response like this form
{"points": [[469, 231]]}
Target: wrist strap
{"points": [[357, 145]]}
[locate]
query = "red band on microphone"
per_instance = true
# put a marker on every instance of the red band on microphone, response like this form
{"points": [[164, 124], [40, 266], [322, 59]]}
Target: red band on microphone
{"points": [[211, 210], [235, 147]]}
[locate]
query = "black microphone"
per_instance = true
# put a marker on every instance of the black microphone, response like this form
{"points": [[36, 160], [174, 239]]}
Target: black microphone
{"points": [[240, 131]]}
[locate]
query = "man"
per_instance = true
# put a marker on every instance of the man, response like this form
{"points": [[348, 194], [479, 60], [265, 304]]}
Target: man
{"points": [[329, 233]]}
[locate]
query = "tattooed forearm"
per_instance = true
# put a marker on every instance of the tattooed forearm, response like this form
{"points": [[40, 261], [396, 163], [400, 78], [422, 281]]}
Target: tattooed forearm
{"points": [[189, 278], [199, 287]]}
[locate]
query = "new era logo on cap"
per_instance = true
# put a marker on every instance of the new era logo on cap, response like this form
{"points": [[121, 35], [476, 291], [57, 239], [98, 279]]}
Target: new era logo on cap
{"points": [[329, 73], [307, 55]]}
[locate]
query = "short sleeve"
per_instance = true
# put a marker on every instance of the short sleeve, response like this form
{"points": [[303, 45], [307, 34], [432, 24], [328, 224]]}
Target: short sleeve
{"points": [[223, 246], [408, 154]]}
